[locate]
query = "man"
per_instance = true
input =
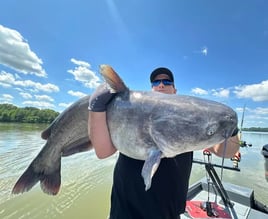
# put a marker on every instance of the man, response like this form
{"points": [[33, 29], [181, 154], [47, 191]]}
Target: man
{"points": [[167, 196]]}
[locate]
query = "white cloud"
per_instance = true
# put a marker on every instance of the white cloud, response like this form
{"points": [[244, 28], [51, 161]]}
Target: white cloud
{"points": [[8, 79], [26, 95], [261, 111], [44, 98], [84, 74], [221, 93], [81, 63], [15, 53], [256, 92], [254, 117], [76, 93], [241, 109], [199, 91], [39, 104], [6, 98], [204, 51], [4, 85]]}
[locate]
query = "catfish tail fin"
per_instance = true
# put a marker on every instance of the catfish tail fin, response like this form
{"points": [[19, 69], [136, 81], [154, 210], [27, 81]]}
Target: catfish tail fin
{"points": [[26, 181], [50, 180]]}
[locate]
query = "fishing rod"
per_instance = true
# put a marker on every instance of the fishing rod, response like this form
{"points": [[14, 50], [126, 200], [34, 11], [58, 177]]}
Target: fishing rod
{"points": [[241, 142], [216, 165], [237, 157], [242, 120]]}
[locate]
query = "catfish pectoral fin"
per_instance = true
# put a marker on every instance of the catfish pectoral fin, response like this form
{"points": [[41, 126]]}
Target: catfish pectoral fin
{"points": [[77, 147], [150, 166]]}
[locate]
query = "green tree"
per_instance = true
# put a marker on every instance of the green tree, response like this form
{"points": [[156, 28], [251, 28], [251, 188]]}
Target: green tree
{"points": [[11, 113]]}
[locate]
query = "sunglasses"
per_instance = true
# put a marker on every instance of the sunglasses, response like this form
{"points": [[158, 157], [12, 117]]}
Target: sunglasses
{"points": [[164, 81]]}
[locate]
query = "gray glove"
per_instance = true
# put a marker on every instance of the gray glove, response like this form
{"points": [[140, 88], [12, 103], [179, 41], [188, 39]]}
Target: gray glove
{"points": [[100, 99]]}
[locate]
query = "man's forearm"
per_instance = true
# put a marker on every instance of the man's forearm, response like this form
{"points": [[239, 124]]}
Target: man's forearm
{"points": [[99, 135], [232, 146]]}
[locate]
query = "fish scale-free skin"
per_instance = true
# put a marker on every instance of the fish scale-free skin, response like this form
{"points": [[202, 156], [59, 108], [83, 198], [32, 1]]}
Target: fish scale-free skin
{"points": [[172, 123], [143, 125]]}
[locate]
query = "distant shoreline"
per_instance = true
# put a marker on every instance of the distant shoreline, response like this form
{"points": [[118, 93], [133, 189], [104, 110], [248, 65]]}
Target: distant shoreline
{"points": [[252, 129], [255, 129]]}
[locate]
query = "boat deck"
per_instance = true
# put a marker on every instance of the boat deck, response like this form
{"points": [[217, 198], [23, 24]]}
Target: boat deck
{"points": [[241, 199]]}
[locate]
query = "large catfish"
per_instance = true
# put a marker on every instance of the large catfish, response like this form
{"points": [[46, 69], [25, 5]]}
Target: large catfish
{"points": [[143, 125]]}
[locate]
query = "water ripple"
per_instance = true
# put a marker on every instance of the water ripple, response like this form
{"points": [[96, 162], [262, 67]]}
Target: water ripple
{"points": [[86, 180]]}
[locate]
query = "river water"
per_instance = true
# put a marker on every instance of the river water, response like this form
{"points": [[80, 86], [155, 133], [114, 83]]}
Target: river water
{"points": [[86, 180]]}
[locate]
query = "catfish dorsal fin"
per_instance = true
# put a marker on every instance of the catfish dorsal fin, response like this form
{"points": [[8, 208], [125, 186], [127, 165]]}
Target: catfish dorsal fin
{"points": [[113, 79]]}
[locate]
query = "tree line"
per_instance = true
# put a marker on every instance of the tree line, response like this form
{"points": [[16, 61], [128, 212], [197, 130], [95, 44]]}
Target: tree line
{"points": [[11, 113], [255, 129]]}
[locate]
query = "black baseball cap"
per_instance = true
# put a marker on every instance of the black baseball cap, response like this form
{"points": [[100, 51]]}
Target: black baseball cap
{"points": [[159, 71]]}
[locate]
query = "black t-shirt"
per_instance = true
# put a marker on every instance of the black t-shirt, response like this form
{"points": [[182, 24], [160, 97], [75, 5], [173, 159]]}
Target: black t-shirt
{"points": [[164, 200]]}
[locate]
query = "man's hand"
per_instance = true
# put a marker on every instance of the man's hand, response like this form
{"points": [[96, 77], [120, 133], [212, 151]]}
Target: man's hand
{"points": [[100, 99]]}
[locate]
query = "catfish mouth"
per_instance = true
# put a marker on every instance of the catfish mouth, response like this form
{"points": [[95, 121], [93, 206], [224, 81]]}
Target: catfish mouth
{"points": [[230, 124]]}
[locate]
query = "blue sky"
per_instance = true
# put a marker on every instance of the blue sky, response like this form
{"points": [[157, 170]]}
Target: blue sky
{"points": [[50, 51]]}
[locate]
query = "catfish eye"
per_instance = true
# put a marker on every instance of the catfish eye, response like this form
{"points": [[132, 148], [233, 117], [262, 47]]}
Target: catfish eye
{"points": [[211, 130], [229, 117]]}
